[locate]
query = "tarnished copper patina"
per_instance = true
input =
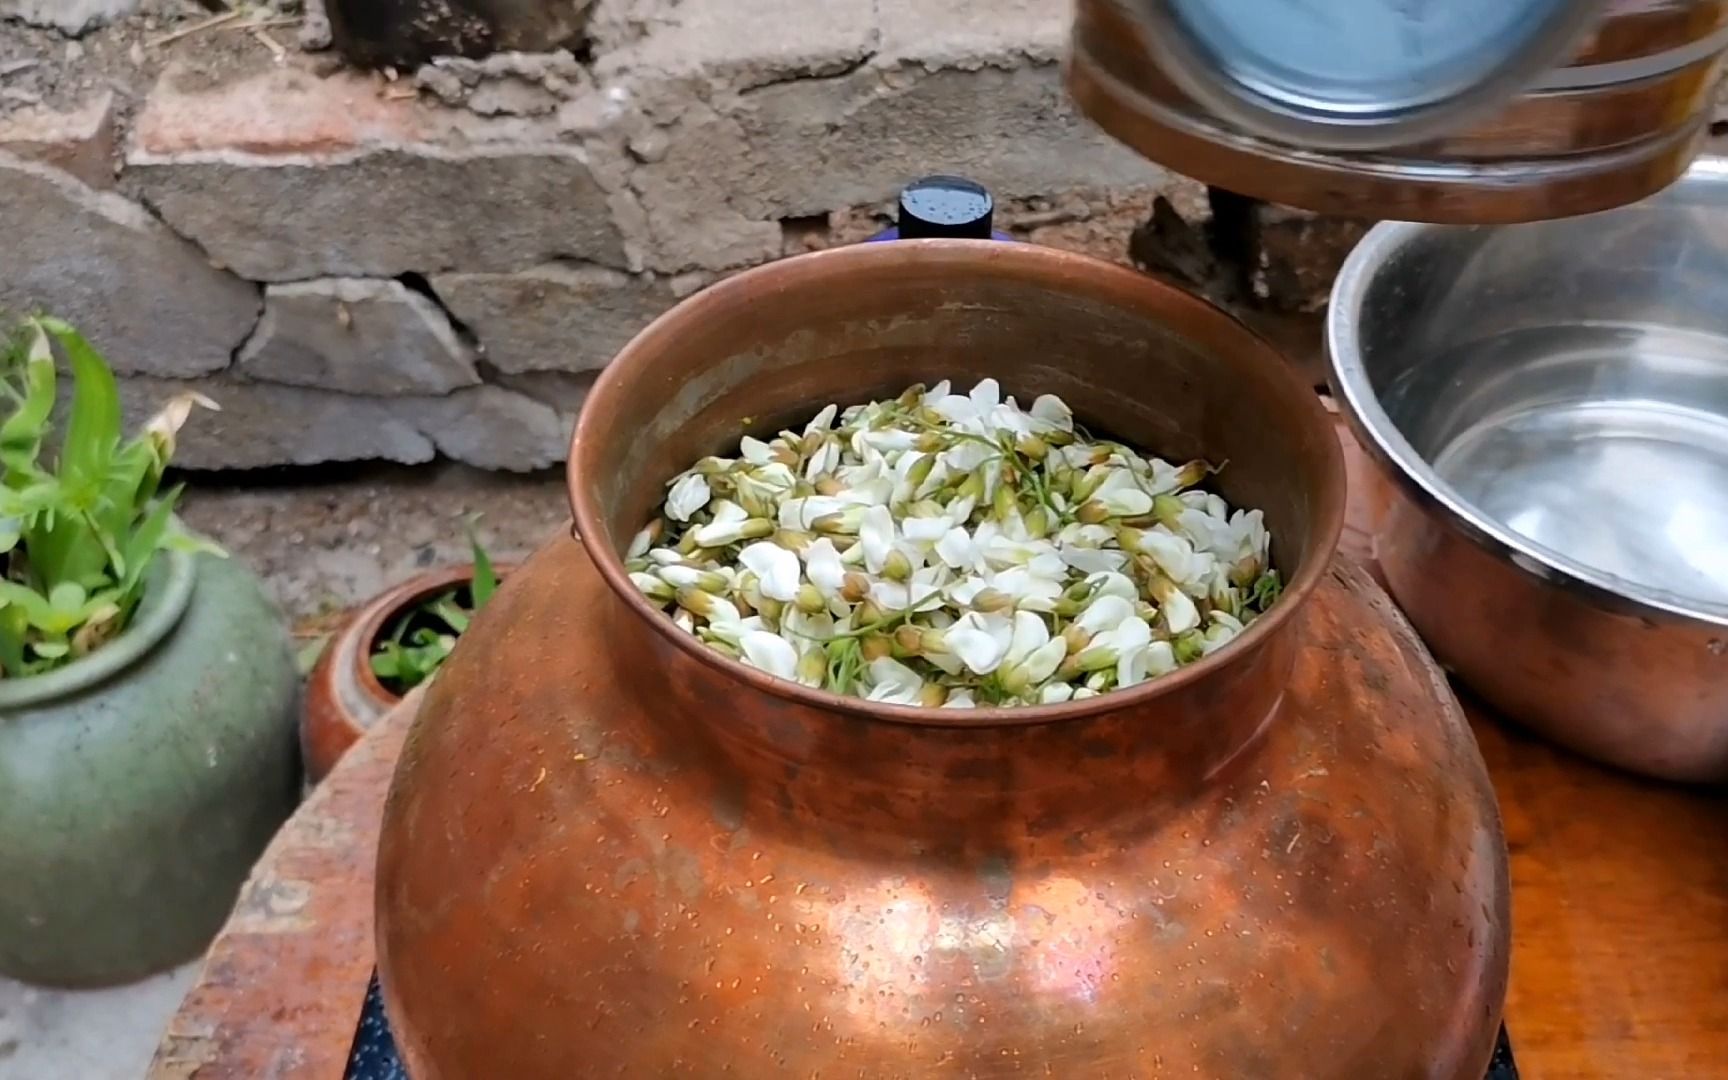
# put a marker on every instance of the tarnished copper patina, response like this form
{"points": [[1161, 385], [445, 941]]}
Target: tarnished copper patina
{"points": [[1620, 120], [609, 851]]}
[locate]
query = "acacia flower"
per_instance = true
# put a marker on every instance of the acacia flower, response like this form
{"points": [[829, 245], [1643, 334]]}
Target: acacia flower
{"points": [[954, 550]]}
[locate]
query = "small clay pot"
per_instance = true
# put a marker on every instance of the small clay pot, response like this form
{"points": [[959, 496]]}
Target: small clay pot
{"points": [[343, 697]]}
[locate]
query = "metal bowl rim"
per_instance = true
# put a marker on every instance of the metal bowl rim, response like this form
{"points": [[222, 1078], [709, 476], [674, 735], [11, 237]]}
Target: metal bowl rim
{"points": [[1386, 445]]}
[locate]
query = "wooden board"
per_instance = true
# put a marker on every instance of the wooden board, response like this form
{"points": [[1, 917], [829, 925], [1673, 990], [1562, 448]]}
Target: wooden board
{"points": [[1620, 918]]}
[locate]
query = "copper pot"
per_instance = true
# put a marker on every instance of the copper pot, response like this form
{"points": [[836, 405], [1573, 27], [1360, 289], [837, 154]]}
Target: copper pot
{"points": [[1602, 103], [343, 697], [608, 851]]}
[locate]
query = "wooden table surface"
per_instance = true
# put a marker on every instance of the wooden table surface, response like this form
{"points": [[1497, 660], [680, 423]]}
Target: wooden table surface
{"points": [[1620, 919]]}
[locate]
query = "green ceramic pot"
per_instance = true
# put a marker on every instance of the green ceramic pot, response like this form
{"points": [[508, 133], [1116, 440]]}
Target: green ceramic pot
{"points": [[139, 784]]}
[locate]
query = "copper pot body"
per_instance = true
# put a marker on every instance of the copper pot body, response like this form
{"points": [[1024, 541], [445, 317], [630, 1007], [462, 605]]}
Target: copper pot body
{"points": [[1621, 121], [608, 851]]}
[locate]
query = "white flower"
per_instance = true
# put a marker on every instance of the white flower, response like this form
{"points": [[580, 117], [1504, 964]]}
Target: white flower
{"points": [[893, 596], [1175, 606], [775, 568], [823, 421], [1053, 413], [1105, 613], [654, 587], [980, 641], [876, 533], [689, 494], [1093, 560], [1174, 555], [1122, 496], [1135, 667], [731, 524], [755, 451], [970, 413], [1109, 584], [956, 550], [823, 462], [801, 514], [961, 526], [770, 653], [822, 563], [1031, 591], [893, 683], [1033, 655]]}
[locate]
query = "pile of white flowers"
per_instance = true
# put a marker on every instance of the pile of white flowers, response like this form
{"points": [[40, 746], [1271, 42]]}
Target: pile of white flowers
{"points": [[954, 550]]}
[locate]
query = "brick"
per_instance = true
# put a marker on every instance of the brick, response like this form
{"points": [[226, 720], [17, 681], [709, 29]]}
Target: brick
{"points": [[79, 142], [553, 318], [149, 300], [285, 177], [359, 336]]}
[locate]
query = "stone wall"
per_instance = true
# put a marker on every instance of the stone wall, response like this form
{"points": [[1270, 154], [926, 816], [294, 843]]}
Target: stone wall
{"points": [[435, 263], [363, 267]]}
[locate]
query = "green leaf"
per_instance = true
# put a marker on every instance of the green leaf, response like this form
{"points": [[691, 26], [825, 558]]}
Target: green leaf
{"points": [[451, 613], [21, 434], [93, 428], [13, 628], [67, 597], [50, 650], [485, 577]]}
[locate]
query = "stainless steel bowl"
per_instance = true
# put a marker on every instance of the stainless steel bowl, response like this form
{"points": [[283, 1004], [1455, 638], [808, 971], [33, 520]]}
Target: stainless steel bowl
{"points": [[1550, 404]]}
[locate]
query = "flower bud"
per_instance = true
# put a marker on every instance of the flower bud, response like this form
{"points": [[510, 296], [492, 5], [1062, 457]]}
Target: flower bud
{"points": [[991, 600], [1167, 510], [793, 540], [1189, 647], [854, 587], [1076, 637], [1033, 447], [1092, 512], [932, 696], [654, 587], [827, 485], [812, 668], [908, 640], [1038, 523], [1192, 473], [876, 646], [897, 567]]}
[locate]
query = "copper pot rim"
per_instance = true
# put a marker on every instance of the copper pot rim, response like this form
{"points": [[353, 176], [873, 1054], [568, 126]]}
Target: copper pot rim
{"points": [[395, 602], [1029, 263]]}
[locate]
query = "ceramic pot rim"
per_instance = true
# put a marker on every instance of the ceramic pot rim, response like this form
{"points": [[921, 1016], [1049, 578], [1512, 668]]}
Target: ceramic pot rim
{"points": [[165, 601], [1027, 263]]}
